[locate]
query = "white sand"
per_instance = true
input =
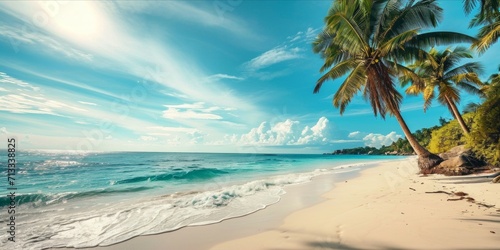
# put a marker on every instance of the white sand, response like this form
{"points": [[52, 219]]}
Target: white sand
{"points": [[379, 211]]}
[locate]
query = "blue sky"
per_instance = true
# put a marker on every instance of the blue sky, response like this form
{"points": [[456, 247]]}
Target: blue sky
{"points": [[212, 76]]}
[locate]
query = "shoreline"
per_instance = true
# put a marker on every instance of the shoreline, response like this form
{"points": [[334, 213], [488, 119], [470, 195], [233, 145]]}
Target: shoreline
{"points": [[383, 206], [297, 196]]}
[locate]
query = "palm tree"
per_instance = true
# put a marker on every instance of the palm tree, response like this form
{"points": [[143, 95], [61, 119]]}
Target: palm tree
{"points": [[489, 16], [439, 70], [367, 40], [486, 8]]}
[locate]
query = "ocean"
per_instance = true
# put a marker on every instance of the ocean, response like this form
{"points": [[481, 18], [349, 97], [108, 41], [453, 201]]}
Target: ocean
{"points": [[67, 199]]}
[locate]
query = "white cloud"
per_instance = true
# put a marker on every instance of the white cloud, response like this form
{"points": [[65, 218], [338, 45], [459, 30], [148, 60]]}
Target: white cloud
{"points": [[3, 130], [378, 140], [356, 135], [196, 110], [88, 103], [273, 56], [218, 16], [162, 130], [142, 54], [148, 138], [311, 34], [317, 134], [173, 113], [6, 79], [197, 105], [29, 99], [217, 77], [288, 132], [32, 37]]}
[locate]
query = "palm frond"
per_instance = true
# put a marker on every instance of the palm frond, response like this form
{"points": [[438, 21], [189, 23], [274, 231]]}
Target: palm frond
{"points": [[336, 72], [428, 94], [472, 67], [432, 39], [469, 88], [397, 41], [352, 84], [488, 35], [419, 15], [469, 5]]}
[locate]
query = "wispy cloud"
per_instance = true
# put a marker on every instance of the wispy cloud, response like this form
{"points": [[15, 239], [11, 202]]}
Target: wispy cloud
{"points": [[26, 98], [88, 103], [212, 17], [173, 113], [159, 130], [138, 53], [6, 79], [292, 48], [217, 77], [192, 111], [148, 138], [33, 38], [273, 56]]}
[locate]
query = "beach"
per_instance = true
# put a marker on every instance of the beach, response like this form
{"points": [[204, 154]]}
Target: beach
{"points": [[386, 207]]}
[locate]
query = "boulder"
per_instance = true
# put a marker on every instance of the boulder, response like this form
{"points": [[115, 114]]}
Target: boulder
{"points": [[458, 161], [454, 152]]}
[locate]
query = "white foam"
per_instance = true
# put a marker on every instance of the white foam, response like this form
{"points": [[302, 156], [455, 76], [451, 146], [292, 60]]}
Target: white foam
{"points": [[77, 224]]}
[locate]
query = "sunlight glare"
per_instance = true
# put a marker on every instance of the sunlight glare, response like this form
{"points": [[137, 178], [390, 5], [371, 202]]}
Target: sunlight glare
{"points": [[80, 21]]}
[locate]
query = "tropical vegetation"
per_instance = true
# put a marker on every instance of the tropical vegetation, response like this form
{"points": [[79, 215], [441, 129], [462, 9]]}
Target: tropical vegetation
{"points": [[488, 17], [439, 71], [369, 41]]}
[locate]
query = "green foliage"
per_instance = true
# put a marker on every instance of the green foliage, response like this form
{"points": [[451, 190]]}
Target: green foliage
{"points": [[485, 134], [448, 136], [401, 146]]}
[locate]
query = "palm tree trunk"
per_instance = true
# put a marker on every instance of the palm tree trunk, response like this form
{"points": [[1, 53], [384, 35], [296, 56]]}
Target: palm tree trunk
{"points": [[426, 159], [457, 116]]}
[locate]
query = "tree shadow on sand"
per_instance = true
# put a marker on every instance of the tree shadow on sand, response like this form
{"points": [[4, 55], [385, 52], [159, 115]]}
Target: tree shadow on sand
{"points": [[340, 246], [317, 245]]}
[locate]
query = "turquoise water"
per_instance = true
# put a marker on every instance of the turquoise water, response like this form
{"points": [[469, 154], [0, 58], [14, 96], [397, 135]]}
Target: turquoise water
{"points": [[83, 200]]}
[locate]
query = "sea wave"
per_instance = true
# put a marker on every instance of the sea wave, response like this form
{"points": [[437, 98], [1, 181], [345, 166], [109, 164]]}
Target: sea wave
{"points": [[181, 174], [121, 221], [40, 199]]}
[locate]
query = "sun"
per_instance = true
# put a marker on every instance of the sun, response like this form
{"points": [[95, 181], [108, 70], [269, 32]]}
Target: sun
{"points": [[80, 21]]}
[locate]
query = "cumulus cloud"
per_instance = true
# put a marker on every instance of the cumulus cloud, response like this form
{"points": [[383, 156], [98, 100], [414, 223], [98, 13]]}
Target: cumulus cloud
{"points": [[379, 140], [288, 132], [375, 140]]}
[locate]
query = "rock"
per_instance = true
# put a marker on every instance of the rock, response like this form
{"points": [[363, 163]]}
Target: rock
{"points": [[496, 180], [454, 152], [458, 161]]}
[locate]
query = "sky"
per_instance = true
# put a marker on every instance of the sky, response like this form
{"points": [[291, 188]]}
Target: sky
{"points": [[185, 76]]}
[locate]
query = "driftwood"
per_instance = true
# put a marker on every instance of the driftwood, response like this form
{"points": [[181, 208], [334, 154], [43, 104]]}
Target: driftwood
{"points": [[438, 192], [463, 196]]}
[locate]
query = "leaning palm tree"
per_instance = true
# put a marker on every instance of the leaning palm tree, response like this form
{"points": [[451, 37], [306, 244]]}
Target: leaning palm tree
{"points": [[367, 40], [488, 17], [440, 71]]}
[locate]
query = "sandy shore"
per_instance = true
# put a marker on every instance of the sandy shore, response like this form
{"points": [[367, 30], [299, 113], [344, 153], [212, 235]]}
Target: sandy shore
{"points": [[387, 207]]}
